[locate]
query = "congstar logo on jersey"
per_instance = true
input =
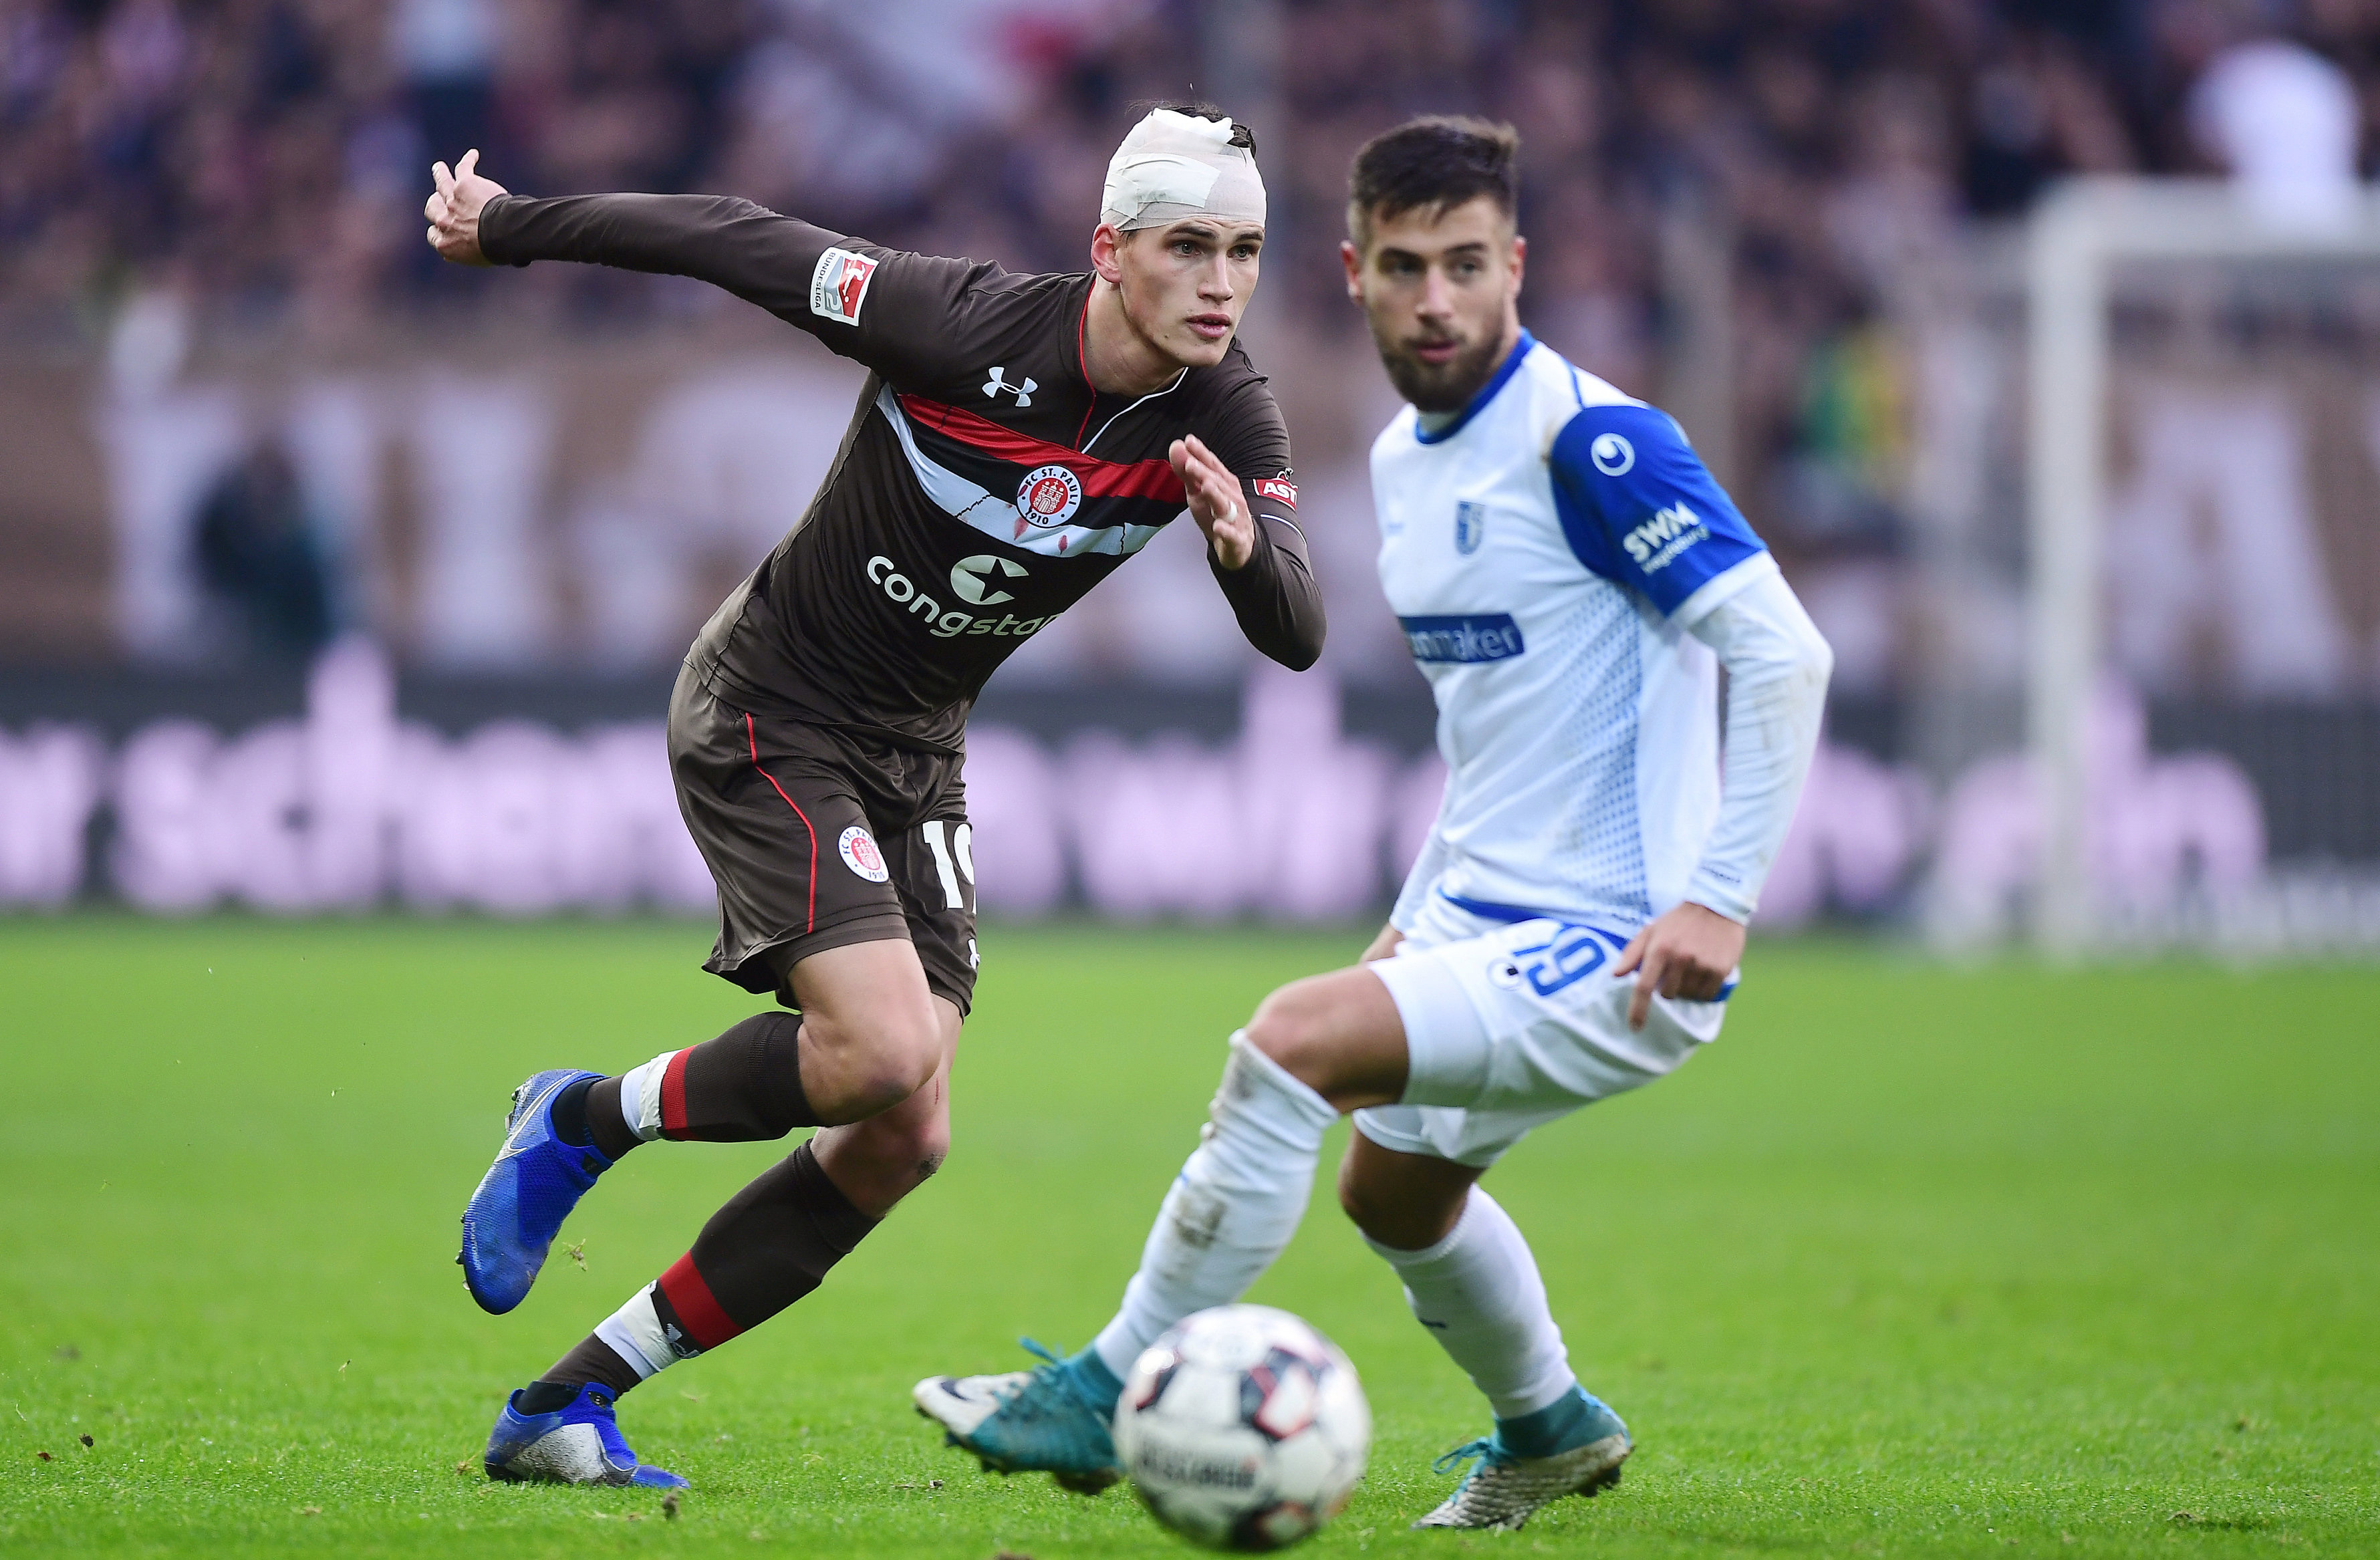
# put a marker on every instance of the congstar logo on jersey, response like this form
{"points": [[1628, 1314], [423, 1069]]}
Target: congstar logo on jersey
{"points": [[1656, 543], [970, 580]]}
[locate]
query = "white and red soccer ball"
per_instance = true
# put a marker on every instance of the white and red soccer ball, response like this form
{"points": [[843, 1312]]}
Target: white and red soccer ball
{"points": [[1243, 1428]]}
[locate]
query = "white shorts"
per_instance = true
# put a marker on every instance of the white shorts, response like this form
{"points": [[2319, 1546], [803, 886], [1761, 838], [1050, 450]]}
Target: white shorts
{"points": [[1514, 1024]]}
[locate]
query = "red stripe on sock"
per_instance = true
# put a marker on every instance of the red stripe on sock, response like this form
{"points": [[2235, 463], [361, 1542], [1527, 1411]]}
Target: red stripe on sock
{"points": [[674, 1096], [753, 738], [705, 1323]]}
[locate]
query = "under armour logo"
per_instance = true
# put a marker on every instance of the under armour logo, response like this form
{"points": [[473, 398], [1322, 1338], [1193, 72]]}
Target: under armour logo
{"points": [[998, 382]]}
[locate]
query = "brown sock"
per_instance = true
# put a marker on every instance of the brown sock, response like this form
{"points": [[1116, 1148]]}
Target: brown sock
{"points": [[744, 1087], [605, 1126], [771, 1245], [592, 1359]]}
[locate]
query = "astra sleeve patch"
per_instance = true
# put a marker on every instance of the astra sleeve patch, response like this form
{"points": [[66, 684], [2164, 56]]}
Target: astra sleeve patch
{"points": [[1639, 507]]}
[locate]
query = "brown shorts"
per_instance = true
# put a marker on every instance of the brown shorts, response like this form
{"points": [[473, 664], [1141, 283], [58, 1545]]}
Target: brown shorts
{"points": [[819, 838]]}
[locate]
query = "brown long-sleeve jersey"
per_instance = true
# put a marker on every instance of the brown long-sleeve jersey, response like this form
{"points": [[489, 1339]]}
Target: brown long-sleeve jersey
{"points": [[983, 485]]}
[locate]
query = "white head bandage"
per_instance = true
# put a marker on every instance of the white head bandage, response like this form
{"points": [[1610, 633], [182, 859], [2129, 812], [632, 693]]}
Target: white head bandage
{"points": [[1175, 165]]}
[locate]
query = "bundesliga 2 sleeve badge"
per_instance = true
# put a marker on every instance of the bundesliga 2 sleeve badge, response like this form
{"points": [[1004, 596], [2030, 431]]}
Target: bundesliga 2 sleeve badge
{"points": [[839, 285]]}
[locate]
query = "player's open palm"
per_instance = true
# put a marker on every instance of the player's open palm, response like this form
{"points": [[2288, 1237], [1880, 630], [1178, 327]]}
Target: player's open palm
{"points": [[1687, 953], [454, 209], [1215, 502]]}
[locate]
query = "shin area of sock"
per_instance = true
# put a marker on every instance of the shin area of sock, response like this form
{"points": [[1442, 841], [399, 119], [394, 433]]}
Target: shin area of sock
{"points": [[771, 1244], [1233, 1209], [745, 1086], [1479, 1293]]}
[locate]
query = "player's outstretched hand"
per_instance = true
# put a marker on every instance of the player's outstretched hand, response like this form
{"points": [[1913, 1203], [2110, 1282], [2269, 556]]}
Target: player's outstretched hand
{"points": [[454, 209], [1215, 502], [1688, 953]]}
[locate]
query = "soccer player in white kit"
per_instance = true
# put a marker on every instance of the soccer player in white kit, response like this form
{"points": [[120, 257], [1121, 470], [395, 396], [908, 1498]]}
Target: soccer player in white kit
{"points": [[1570, 579]]}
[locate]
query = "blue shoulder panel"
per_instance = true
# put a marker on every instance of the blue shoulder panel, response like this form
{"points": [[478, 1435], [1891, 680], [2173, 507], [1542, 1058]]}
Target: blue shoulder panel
{"points": [[1639, 507]]}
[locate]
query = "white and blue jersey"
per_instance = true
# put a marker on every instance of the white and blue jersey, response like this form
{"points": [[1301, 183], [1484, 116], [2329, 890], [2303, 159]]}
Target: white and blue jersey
{"points": [[1547, 552], [1570, 579]]}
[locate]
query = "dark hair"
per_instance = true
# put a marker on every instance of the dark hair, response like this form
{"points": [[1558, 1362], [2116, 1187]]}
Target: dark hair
{"points": [[1439, 161], [1199, 108]]}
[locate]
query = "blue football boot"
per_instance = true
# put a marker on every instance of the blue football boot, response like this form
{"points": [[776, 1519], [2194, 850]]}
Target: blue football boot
{"points": [[1504, 1488], [509, 1224], [1052, 1418], [576, 1444]]}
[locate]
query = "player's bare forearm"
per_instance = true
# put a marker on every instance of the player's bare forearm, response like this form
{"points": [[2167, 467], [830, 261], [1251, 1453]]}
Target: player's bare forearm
{"points": [[1688, 952]]}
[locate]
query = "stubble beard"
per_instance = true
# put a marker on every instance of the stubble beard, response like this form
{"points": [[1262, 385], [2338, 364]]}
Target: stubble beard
{"points": [[1438, 388]]}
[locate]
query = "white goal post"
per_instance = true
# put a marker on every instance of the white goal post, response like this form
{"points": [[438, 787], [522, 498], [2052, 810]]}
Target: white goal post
{"points": [[2078, 233]]}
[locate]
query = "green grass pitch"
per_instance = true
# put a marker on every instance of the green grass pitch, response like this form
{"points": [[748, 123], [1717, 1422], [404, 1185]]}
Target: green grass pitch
{"points": [[1916, 1260]]}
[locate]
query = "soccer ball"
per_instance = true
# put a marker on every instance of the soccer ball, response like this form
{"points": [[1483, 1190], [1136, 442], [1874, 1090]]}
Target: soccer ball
{"points": [[1243, 1427]]}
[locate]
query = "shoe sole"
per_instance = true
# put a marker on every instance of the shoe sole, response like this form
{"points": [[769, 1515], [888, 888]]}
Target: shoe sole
{"points": [[1595, 1485], [505, 1476], [1075, 1484]]}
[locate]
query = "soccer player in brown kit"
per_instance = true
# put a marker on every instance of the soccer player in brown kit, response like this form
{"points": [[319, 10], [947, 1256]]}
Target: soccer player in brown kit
{"points": [[1018, 437]]}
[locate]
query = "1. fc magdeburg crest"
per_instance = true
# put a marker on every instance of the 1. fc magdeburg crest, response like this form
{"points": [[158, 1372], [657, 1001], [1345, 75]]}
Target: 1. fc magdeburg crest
{"points": [[1470, 526]]}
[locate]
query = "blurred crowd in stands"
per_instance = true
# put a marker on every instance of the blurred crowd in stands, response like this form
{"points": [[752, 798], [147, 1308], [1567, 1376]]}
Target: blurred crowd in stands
{"points": [[266, 159], [269, 150]]}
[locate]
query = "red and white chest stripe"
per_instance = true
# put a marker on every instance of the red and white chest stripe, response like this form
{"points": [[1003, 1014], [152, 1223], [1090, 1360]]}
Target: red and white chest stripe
{"points": [[1055, 485]]}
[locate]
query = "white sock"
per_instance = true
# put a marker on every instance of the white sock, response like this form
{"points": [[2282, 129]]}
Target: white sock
{"points": [[1233, 1207], [641, 1097], [1478, 1293], [635, 1333]]}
